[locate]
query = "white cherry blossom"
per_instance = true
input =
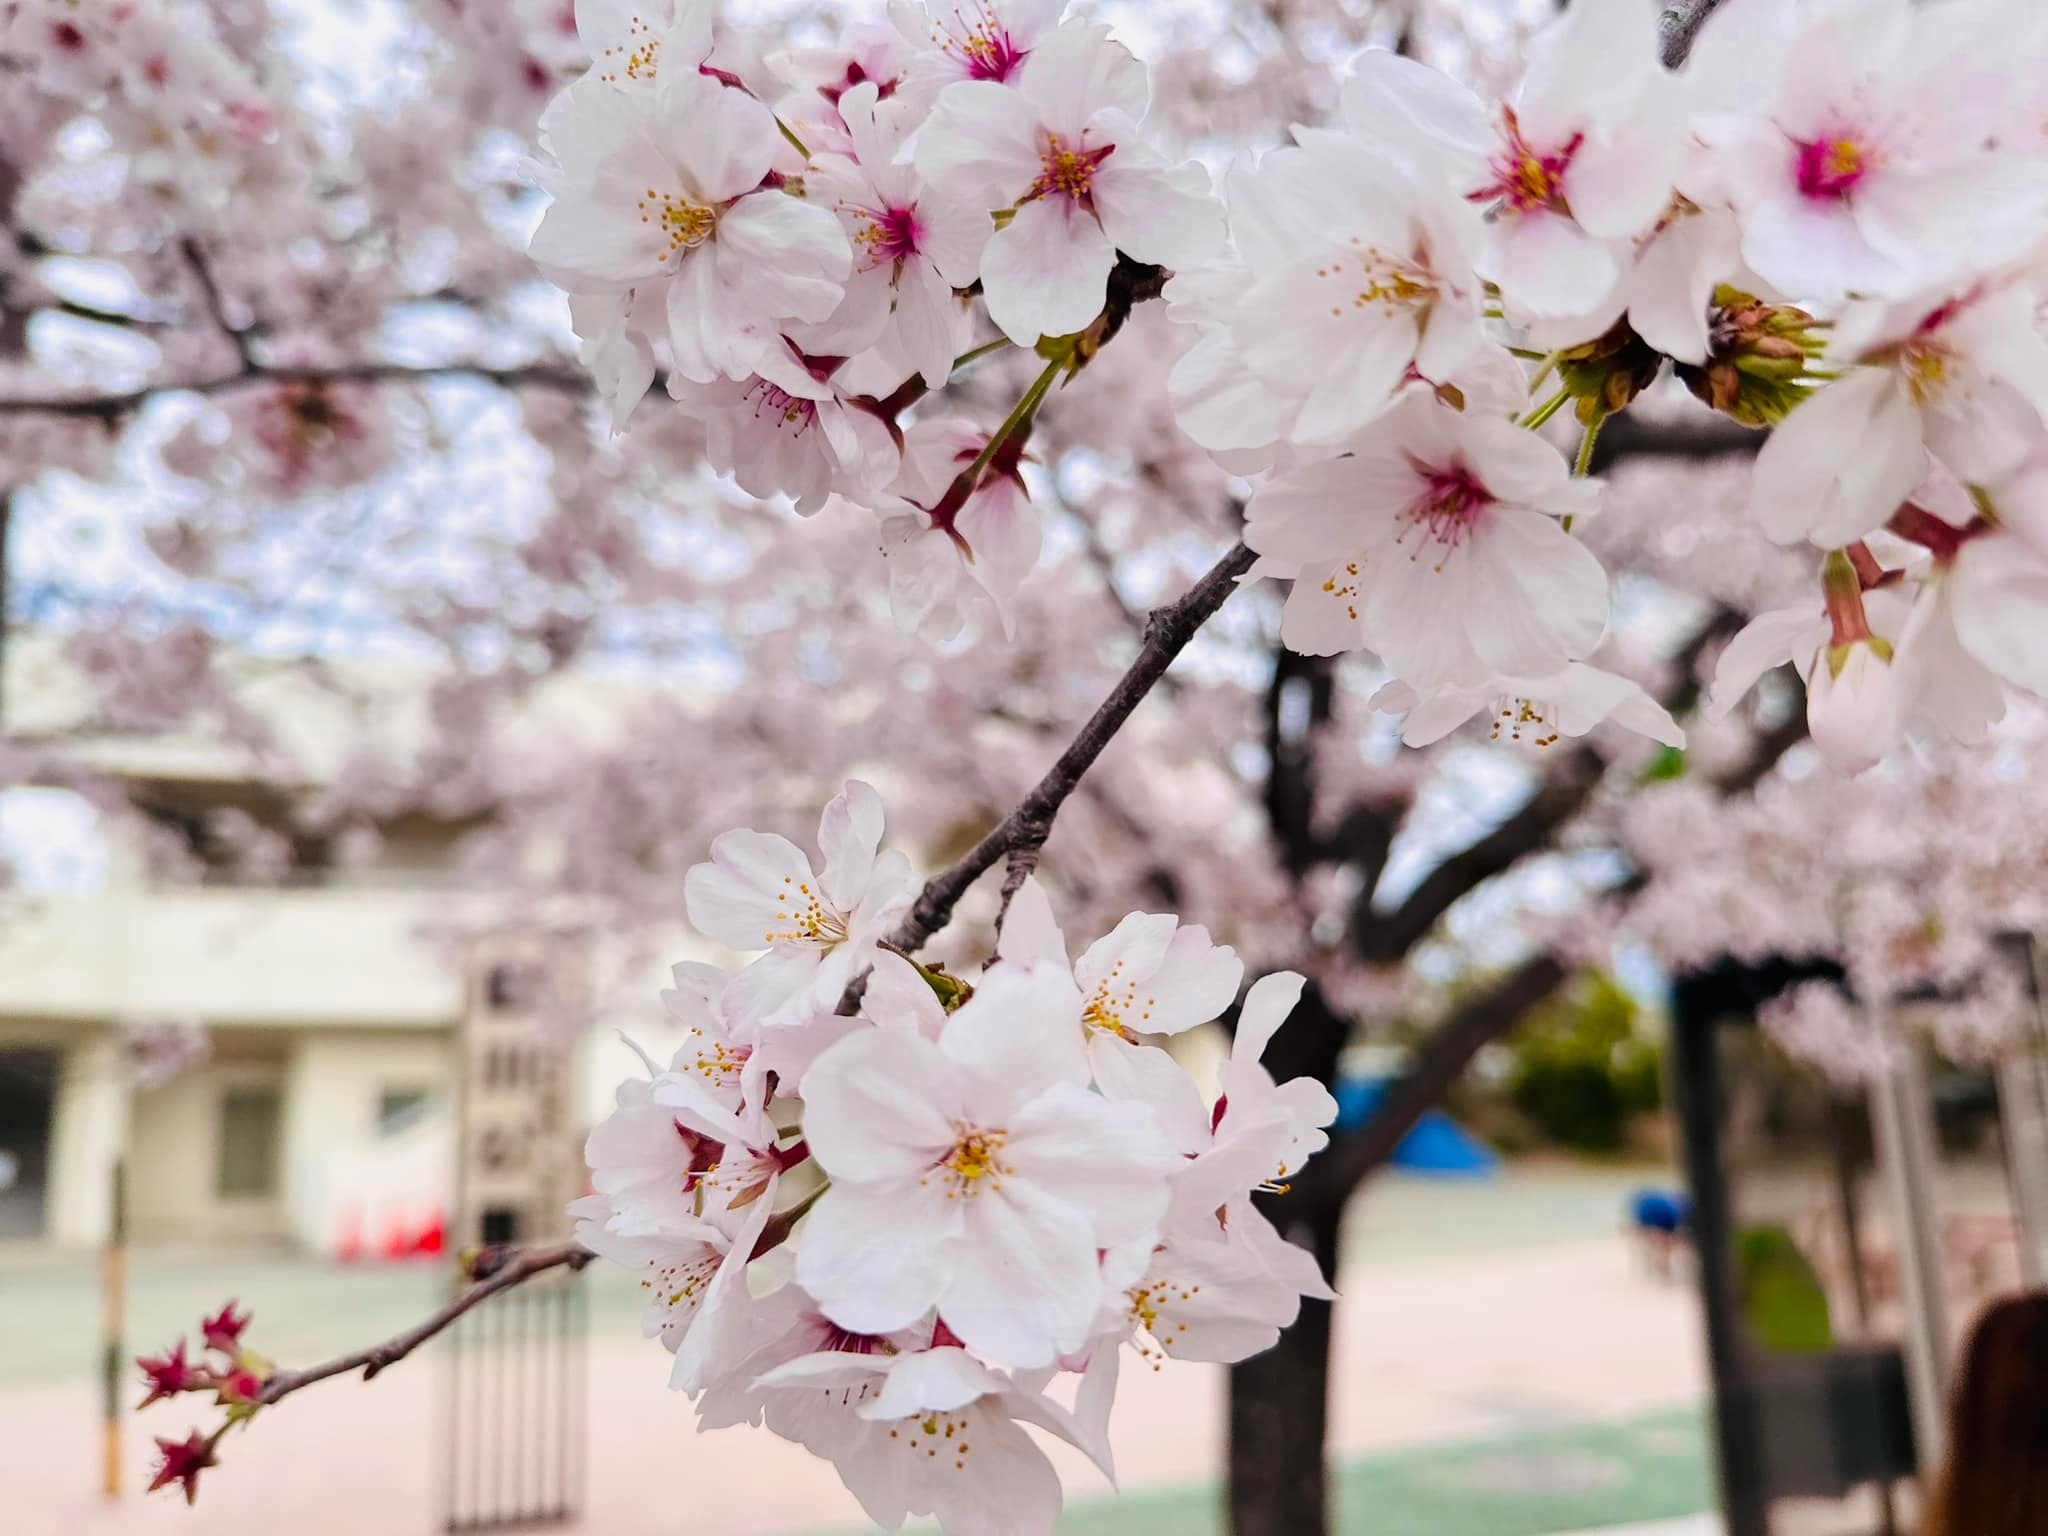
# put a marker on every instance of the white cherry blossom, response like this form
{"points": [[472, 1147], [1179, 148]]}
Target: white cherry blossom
{"points": [[977, 1175], [819, 928], [669, 188], [1063, 155], [1434, 544]]}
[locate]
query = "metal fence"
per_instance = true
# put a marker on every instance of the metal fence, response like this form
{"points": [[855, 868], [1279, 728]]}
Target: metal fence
{"points": [[517, 1385]]}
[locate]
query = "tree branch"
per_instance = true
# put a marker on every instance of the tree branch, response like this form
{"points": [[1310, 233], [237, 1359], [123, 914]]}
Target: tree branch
{"points": [[1024, 831], [1679, 26], [111, 408], [216, 305], [1437, 1064], [516, 1270]]}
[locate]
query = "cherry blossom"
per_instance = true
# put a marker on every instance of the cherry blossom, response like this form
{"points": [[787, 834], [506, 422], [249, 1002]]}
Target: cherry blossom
{"points": [[1532, 711], [976, 1175], [994, 536], [1584, 156], [1435, 545], [1964, 377], [1062, 154], [819, 928], [671, 187], [912, 247]]}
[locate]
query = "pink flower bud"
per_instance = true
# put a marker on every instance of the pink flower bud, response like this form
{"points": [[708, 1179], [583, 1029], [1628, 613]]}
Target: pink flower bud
{"points": [[182, 1462], [167, 1374], [1855, 704], [223, 1331]]}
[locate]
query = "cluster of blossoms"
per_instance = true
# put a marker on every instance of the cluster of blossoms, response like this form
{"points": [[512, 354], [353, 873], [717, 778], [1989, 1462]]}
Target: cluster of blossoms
{"points": [[890, 1233], [1831, 223]]}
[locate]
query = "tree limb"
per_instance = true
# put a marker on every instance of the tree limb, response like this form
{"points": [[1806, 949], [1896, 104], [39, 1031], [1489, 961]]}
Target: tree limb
{"points": [[111, 408], [1024, 831], [1439, 1063], [1679, 26], [516, 1270]]}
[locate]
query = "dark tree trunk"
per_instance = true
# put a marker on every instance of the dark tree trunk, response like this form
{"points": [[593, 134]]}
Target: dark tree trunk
{"points": [[1279, 1411], [1279, 1401]]}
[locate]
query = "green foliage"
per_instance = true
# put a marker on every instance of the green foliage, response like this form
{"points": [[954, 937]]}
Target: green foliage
{"points": [[1581, 1069], [1783, 1303]]}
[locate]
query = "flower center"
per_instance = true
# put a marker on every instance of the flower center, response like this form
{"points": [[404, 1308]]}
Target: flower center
{"points": [[1110, 1002], [1831, 167], [979, 42], [1068, 173], [1152, 1303], [685, 224], [1525, 178], [802, 918], [883, 236], [1527, 722], [1385, 282], [717, 1063], [1923, 368], [682, 1285], [975, 1163], [936, 1435], [1343, 585], [637, 58], [1449, 505], [702, 1153]]}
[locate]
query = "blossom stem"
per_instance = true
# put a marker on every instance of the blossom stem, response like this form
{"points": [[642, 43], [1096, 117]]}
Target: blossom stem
{"points": [[1843, 589], [782, 1223], [795, 143], [1549, 362], [1545, 411], [972, 353], [1019, 418], [1582, 466]]}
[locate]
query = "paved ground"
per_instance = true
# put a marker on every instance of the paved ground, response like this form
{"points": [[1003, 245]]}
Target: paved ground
{"points": [[1502, 1359]]}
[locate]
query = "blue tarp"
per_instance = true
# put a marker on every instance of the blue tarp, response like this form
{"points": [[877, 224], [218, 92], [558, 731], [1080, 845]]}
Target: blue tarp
{"points": [[1437, 1145]]}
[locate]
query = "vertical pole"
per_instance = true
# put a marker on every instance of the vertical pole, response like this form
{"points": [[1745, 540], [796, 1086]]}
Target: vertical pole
{"points": [[1905, 1139], [1696, 1086], [113, 1314]]}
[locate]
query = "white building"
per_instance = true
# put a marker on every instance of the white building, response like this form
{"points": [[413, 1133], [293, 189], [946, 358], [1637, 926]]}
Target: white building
{"points": [[324, 1116]]}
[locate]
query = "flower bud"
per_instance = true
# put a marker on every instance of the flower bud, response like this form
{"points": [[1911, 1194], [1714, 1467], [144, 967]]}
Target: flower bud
{"points": [[1605, 374], [1757, 357], [1855, 704]]}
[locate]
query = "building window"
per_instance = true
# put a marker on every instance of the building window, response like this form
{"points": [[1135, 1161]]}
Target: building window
{"points": [[248, 1143], [400, 1109]]}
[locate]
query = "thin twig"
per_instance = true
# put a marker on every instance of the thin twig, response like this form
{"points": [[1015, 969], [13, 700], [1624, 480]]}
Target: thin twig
{"points": [[216, 306], [518, 1269], [1167, 633]]}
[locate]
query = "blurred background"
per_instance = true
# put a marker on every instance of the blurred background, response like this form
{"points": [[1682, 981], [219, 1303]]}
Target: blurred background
{"points": [[363, 701]]}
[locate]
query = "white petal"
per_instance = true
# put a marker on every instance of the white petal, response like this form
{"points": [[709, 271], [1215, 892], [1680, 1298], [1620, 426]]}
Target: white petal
{"points": [[878, 1261], [1266, 1007], [880, 1107], [744, 896], [1046, 272], [1841, 463], [1020, 1034], [849, 833]]}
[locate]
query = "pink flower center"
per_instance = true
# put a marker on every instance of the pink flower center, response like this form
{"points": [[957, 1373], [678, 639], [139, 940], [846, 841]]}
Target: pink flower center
{"points": [[884, 236], [1525, 178], [977, 38], [1450, 503], [1831, 167], [1068, 173]]}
